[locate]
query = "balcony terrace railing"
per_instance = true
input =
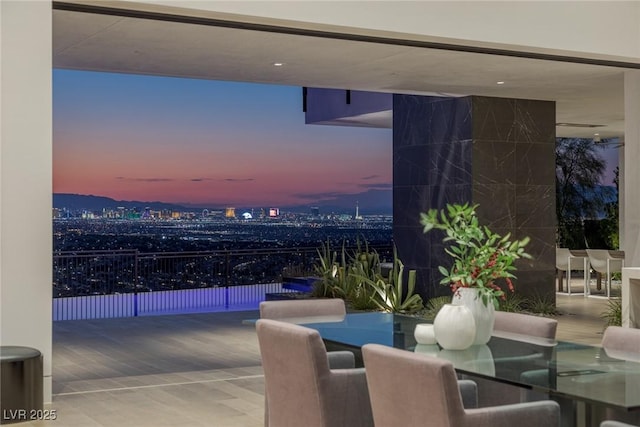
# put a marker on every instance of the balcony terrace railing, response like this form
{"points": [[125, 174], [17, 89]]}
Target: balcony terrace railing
{"points": [[100, 284]]}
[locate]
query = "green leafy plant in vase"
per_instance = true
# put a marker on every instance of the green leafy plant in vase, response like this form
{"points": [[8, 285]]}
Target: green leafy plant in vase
{"points": [[480, 257]]}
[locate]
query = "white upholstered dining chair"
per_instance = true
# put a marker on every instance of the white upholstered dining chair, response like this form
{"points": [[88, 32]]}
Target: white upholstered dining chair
{"points": [[302, 389], [492, 393], [292, 309], [413, 389], [622, 343]]}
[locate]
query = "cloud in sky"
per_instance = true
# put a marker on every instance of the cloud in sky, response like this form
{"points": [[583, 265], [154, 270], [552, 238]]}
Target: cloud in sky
{"points": [[123, 178], [378, 200], [319, 196], [370, 177], [239, 179], [224, 179], [379, 186]]}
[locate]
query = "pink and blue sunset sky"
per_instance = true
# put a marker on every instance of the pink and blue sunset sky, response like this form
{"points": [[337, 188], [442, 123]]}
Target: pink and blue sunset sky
{"points": [[210, 143], [203, 142]]}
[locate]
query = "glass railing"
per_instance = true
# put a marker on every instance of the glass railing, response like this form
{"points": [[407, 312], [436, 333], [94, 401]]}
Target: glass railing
{"points": [[99, 284]]}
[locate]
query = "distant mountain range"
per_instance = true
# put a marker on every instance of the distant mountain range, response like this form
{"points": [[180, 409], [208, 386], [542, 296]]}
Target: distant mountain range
{"points": [[369, 202], [76, 202]]}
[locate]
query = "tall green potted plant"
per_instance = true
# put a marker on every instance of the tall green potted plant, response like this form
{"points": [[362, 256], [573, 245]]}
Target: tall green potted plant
{"points": [[481, 260]]}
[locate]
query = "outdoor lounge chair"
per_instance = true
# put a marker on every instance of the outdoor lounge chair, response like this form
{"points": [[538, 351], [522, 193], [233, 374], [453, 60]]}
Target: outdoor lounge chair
{"points": [[568, 261], [605, 263]]}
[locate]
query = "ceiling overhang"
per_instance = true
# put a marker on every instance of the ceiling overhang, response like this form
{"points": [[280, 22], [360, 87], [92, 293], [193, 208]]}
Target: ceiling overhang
{"points": [[162, 44]]}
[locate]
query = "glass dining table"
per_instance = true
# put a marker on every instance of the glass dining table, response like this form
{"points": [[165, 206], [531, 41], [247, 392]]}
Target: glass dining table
{"points": [[584, 379]]}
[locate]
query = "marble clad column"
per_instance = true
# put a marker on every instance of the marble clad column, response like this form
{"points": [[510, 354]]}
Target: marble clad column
{"points": [[496, 152], [432, 155]]}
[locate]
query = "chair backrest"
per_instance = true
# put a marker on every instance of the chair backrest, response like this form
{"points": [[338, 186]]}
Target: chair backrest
{"points": [[294, 361], [282, 309], [615, 424], [616, 254], [409, 389], [577, 257], [616, 261], [525, 324], [598, 259], [624, 344], [562, 258], [619, 340]]}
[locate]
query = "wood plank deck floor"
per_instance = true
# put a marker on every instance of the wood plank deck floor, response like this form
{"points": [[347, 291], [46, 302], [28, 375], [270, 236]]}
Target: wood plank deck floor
{"points": [[193, 369]]}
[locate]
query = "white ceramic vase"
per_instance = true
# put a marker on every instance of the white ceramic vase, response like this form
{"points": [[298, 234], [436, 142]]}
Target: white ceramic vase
{"points": [[424, 334], [454, 327], [484, 315]]}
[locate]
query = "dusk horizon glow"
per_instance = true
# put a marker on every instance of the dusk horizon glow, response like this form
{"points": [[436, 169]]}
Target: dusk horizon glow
{"points": [[202, 142], [211, 143]]}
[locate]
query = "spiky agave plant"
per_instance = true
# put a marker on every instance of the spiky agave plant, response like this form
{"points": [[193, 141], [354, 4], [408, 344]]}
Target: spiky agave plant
{"points": [[391, 291]]}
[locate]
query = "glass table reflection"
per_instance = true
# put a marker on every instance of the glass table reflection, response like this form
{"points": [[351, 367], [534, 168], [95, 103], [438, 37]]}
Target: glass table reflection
{"points": [[568, 372]]}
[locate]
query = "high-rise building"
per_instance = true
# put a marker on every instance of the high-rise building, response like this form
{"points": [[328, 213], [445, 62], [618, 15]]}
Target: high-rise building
{"points": [[230, 213]]}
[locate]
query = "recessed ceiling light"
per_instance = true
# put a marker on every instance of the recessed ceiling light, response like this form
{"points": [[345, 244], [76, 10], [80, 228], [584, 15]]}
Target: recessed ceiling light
{"points": [[500, 83], [278, 64]]}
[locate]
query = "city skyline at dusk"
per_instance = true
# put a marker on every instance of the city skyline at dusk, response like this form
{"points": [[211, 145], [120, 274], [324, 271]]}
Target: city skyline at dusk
{"points": [[206, 143]]}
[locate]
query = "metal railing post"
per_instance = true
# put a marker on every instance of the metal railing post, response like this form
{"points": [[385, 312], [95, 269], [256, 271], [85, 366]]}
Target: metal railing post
{"points": [[135, 284], [227, 279], [304, 259]]}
